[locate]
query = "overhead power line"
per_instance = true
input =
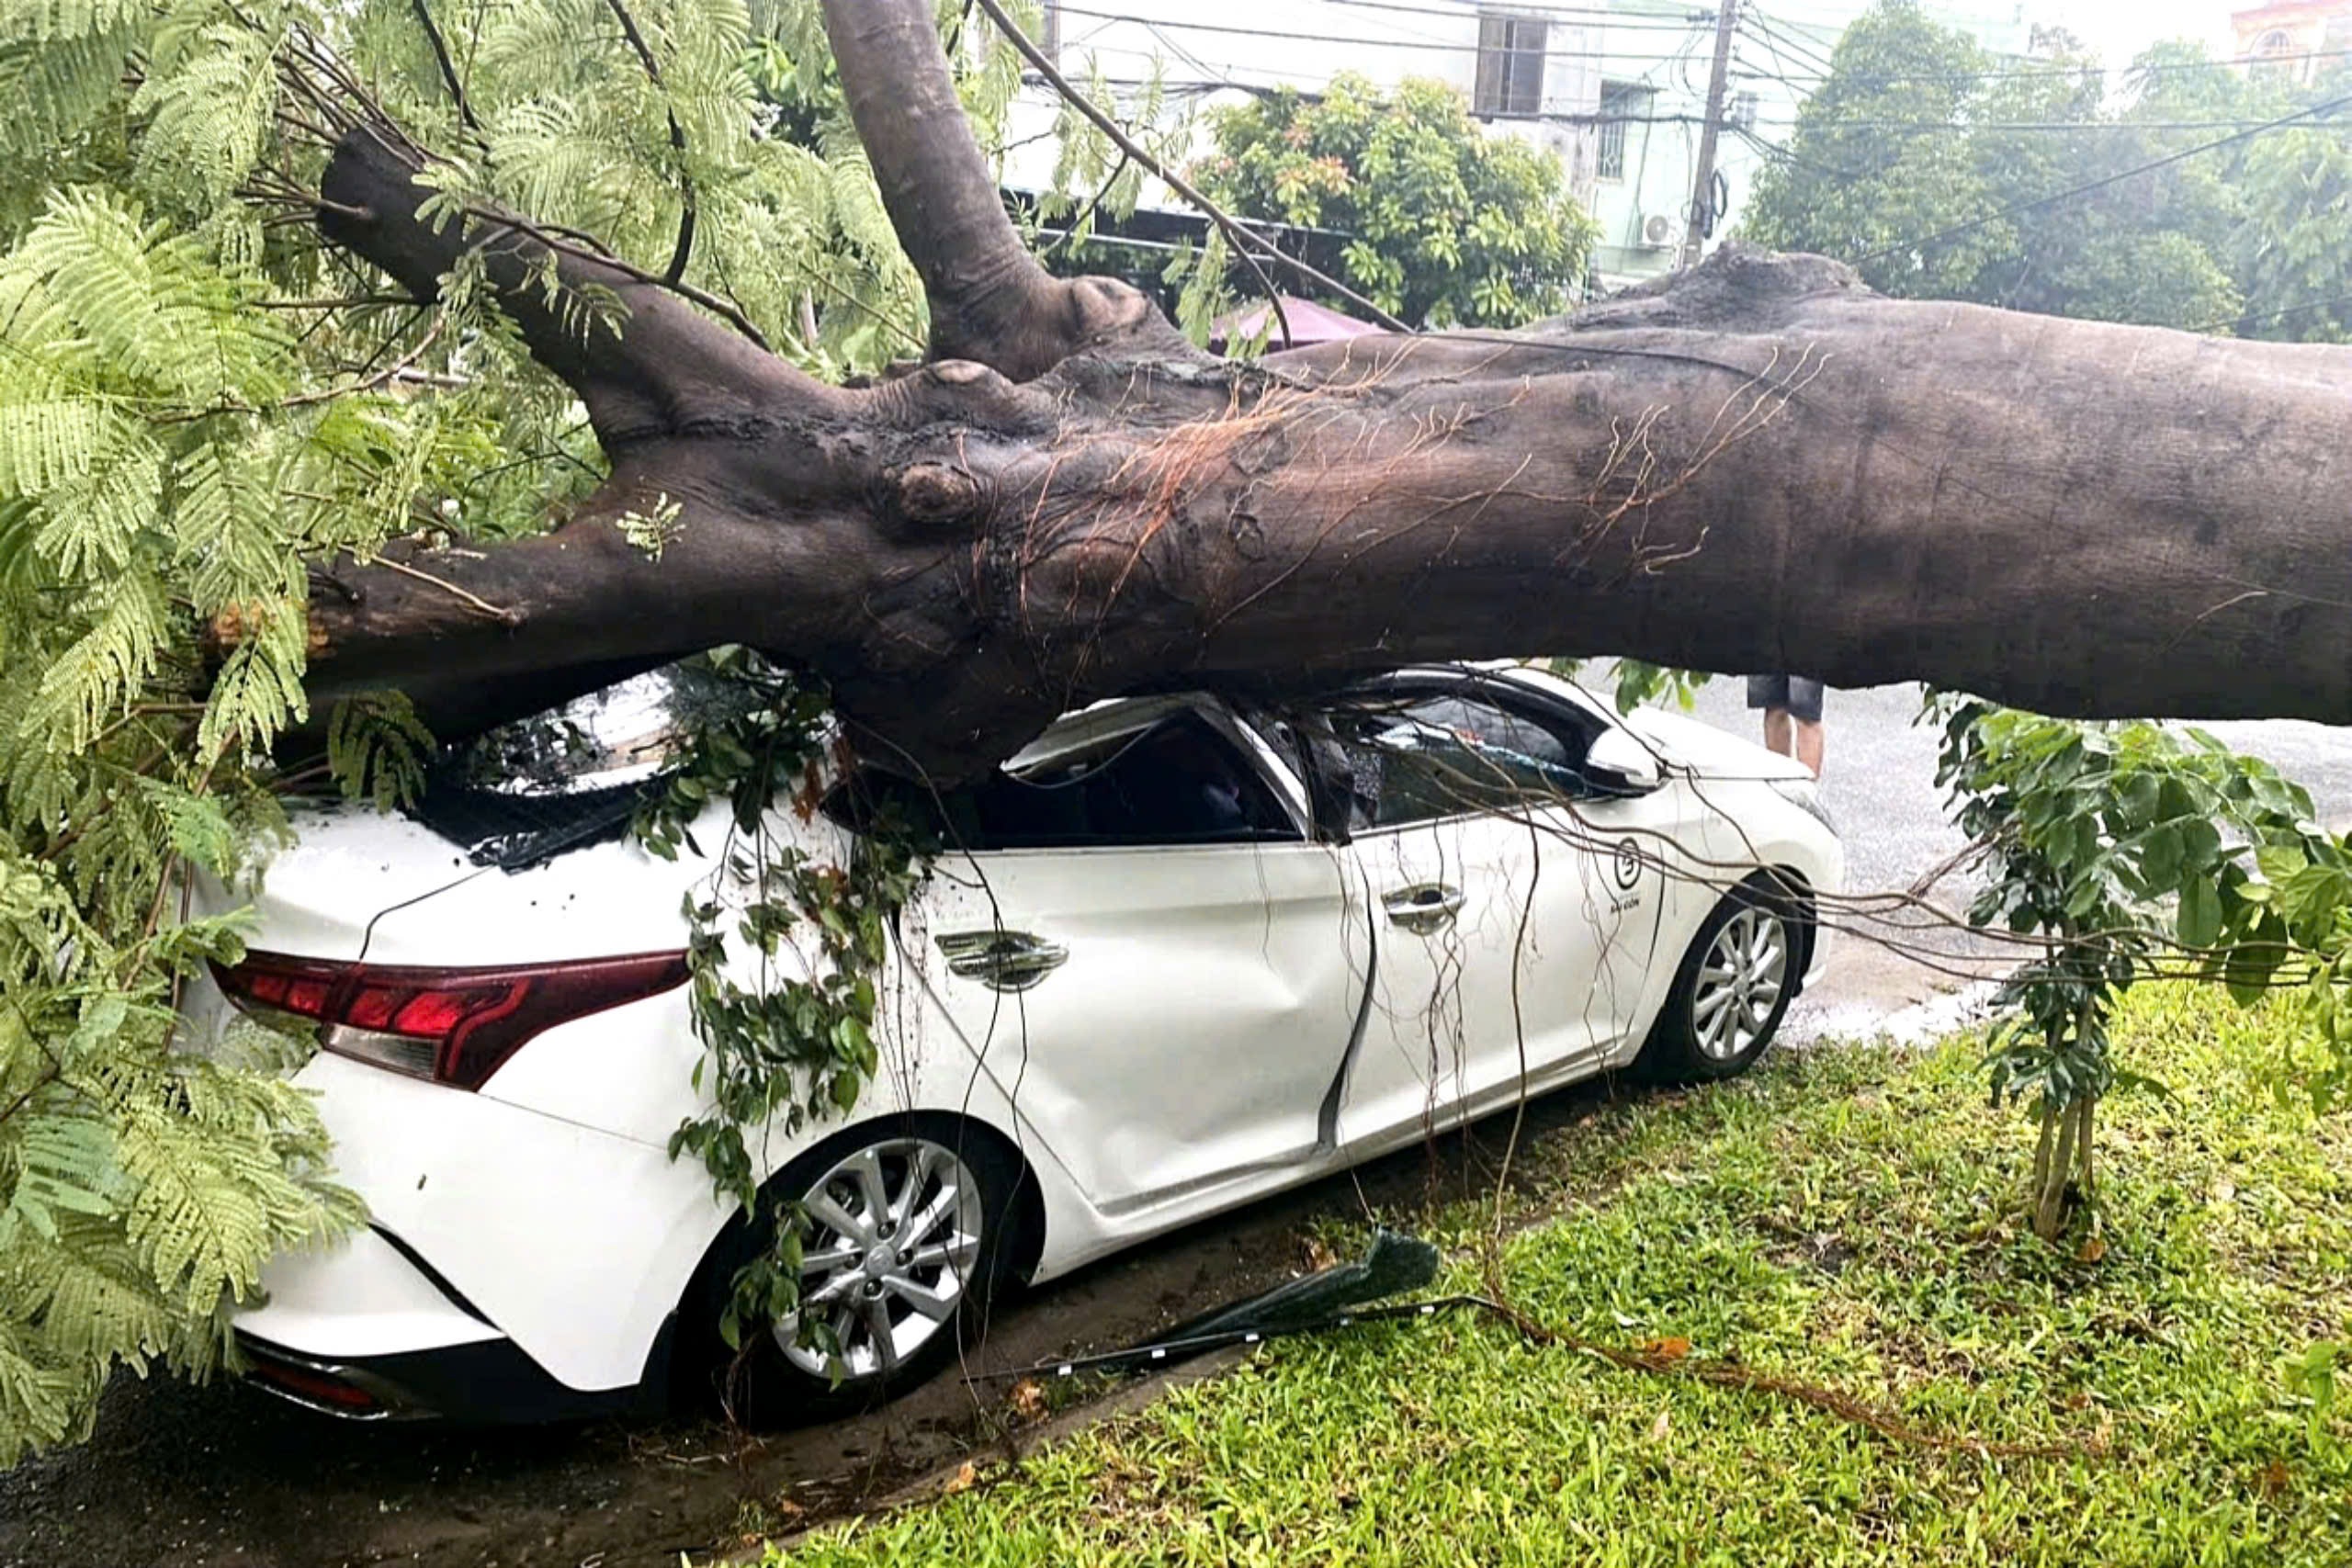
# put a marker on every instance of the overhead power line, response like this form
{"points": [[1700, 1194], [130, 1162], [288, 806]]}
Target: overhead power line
{"points": [[1575, 15], [2102, 184], [2009, 73], [2012, 125], [1423, 45], [1760, 28], [1775, 150]]}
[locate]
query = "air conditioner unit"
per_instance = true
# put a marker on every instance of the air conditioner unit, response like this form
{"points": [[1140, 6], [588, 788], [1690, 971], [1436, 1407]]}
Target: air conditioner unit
{"points": [[1659, 231]]}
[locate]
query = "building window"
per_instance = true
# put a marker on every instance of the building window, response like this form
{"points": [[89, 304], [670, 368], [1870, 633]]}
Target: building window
{"points": [[1510, 65], [1621, 104], [1743, 110], [2274, 54]]}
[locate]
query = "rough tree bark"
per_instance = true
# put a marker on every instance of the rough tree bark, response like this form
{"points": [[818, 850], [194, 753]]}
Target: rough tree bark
{"points": [[1760, 465]]}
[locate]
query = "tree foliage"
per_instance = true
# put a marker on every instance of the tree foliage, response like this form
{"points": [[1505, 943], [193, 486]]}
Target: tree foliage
{"points": [[201, 401], [1926, 167], [1446, 225]]}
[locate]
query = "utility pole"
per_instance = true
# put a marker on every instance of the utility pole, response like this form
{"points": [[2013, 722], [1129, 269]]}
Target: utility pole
{"points": [[1703, 196]]}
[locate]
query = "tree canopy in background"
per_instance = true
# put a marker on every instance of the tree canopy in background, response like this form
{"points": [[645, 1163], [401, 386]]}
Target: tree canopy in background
{"points": [[1446, 225], [1918, 135]]}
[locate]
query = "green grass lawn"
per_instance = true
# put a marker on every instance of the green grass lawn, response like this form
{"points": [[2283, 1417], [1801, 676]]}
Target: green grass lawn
{"points": [[1845, 1218]]}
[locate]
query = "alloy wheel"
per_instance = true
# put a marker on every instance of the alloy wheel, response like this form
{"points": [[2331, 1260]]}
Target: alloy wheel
{"points": [[1739, 984], [893, 1237]]}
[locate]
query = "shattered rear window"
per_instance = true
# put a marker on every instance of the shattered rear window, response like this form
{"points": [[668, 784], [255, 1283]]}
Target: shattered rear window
{"points": [[527, 791], [622, 735]]}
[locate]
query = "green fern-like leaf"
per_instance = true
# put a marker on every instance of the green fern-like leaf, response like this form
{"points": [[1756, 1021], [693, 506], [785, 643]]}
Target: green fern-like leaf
{"points": [[208, 118], [98, 675], [378, 749]]}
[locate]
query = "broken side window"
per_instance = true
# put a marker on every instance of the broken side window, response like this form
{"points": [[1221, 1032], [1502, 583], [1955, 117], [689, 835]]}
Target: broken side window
{"points": [[1416, 757], [1176, 781]]}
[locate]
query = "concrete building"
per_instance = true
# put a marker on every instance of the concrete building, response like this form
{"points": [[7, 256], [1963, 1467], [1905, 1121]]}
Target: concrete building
{"points": [[1519, 65]]}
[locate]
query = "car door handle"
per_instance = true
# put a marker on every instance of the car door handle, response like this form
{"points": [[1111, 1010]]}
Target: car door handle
{"points": [[1002, 960], [1424, 906]]}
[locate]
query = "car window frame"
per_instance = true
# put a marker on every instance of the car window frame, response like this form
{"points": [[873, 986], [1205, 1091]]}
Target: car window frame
{"points": [[1514, 699], [1129, 719]]}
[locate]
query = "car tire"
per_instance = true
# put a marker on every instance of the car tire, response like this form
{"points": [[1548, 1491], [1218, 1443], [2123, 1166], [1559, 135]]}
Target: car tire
{"points": [[943, 1248], [1732, 987]]}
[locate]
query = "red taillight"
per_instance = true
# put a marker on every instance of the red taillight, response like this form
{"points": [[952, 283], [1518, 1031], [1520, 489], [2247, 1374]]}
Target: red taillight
{"points": [[454, 1026], [318, 1388]]}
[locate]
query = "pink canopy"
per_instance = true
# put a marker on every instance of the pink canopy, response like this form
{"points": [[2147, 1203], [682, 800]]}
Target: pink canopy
{"points": [[1309, 323]]}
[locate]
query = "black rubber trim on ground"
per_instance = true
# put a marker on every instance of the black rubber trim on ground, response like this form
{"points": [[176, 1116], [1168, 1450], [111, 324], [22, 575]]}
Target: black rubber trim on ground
{"points": [[1168, 1352], [1328, 1299]]}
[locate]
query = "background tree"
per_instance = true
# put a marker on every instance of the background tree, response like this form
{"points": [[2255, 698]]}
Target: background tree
{"points": [[1446, 224], [1916, 137], [2292, 251], [1853, 184]]}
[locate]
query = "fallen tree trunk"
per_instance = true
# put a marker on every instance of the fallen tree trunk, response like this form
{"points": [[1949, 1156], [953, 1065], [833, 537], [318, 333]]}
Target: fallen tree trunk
{"points": [[1758, 466]]}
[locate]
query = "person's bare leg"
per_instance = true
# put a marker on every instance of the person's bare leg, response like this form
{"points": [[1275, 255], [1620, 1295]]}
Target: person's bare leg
{"points": [[1808, 742], [1776, 730]]}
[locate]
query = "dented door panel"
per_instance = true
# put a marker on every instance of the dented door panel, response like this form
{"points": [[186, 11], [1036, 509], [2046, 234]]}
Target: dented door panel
{"points": [[1187, 1005]]}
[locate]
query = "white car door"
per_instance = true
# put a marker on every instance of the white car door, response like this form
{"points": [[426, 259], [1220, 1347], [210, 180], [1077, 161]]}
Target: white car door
{"points": [[1147, 949], [1516, 906]]}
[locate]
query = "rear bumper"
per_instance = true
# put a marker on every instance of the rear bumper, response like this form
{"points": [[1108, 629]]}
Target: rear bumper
{"points": [[369, 1331], [486, 1380], [368, 1296], [492, 1222]]}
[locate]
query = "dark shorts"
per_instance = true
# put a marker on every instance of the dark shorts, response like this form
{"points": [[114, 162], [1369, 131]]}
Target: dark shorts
{"points": [[1800, 697]]}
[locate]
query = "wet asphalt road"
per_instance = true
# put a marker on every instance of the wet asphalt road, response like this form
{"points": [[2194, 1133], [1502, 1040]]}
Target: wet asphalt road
{"points": [[186, 1476], [1878, 778], [1878, 781]]}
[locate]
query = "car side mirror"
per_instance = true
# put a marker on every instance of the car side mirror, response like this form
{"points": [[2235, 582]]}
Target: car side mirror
{"points": [[1618, 762]]}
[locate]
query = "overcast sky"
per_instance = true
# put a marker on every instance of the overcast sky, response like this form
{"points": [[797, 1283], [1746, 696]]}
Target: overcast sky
{"points": [[2121, 29]]}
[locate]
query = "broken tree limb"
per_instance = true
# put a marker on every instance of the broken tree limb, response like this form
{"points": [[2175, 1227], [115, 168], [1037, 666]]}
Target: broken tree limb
{"points": [[1757, 465], [990, 301]]}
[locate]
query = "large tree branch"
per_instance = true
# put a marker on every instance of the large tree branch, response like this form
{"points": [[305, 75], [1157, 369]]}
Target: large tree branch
{"points": [[990, 299], [659, 366], [1761, 467], [1757, 465]]}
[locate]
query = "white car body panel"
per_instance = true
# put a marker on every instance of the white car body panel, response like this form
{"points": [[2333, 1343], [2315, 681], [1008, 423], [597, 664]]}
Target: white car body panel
{"points": [[361, 1299], [1545, 965], [1186, 1057], [1202, 1014]]}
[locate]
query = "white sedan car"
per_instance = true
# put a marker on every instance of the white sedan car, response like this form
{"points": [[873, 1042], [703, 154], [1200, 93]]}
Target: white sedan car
{"points": [[1186, 954]]}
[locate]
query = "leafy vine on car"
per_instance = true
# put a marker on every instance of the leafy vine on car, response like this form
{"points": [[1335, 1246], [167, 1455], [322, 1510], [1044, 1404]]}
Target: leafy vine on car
{"points": [[786, 1039]]}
